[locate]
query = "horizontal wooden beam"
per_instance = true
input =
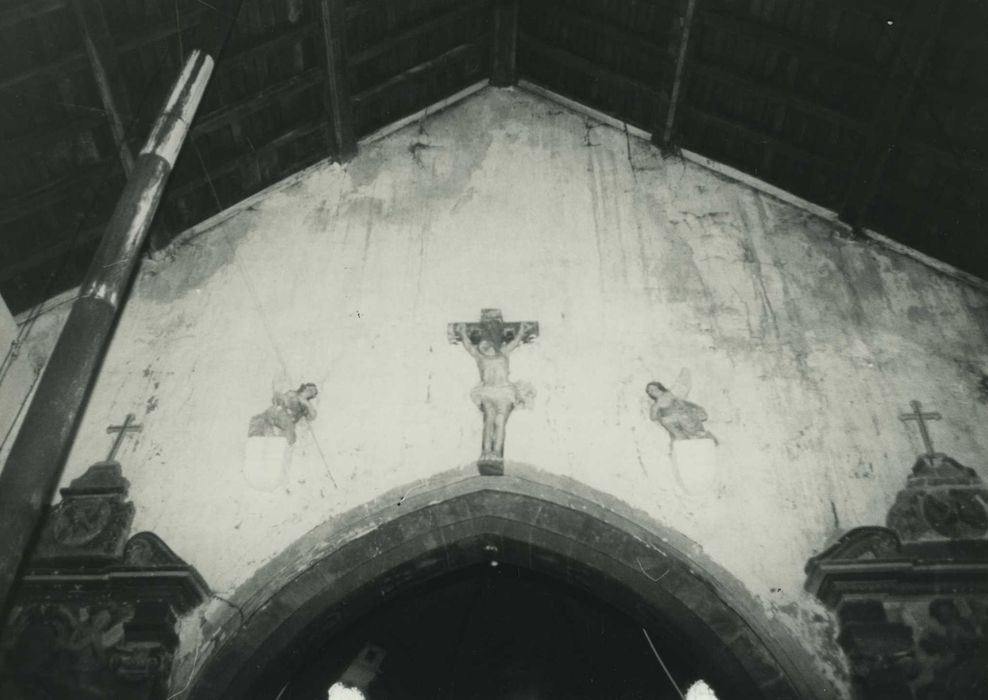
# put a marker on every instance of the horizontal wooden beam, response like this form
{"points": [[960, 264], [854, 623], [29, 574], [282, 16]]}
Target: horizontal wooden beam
{"points": [[442, 21], [72, 61], [766, 140], [424, 68], [588, 68], [36, 260], [918, 36], [234, 111], [36, 139], [52, 193], [771, 36], [777, 95], [599, 26], [77, 60], [28, 9], [237, 162]]}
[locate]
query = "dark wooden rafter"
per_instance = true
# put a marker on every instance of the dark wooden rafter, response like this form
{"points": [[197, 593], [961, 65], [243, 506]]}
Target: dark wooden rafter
{"points": [[425, 68], [51, 194], [106, 72], [417, 32], [776, 95], [649, 48], [770, 36], [667, 127], [919, 35], [35, 260], [340, 129], [28, 9], [241, 161], [236, 111], [588, 68], [504, 54], [765, 140]]}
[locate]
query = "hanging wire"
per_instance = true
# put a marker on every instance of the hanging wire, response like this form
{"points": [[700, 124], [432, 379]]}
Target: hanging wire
{"points": [[662, 664]]}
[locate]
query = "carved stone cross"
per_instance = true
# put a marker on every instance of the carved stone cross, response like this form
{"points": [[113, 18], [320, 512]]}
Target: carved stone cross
{"points": [[490, 341], [122, 430], [921, 418]]}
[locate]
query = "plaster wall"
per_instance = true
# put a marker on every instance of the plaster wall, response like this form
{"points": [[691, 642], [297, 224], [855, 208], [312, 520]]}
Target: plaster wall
{"points": [[803, 346]]}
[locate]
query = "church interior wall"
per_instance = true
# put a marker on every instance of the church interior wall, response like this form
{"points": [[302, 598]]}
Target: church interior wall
{"points": [[802, 346]]}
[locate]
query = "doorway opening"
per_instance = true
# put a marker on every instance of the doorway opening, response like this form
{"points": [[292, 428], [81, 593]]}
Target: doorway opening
{"points": [[498, 632], [564, 554]]}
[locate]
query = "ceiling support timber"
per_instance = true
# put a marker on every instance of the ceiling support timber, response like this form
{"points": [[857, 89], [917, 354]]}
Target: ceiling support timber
{"points": [[339, 106], [665, 132], [106, 72], [29, 9], [37, 457], [914, 50], [504, 56]]}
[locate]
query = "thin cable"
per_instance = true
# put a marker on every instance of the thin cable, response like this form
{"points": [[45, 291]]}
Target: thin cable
{"points": [[662, 663]]}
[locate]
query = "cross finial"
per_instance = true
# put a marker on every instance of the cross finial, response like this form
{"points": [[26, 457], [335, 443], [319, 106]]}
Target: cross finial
{"points": [[921, 418], [122, 430]]}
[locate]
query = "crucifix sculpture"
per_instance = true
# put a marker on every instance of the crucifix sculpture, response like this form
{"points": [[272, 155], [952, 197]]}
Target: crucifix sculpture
{"points": [[490, 341], [122, 430], [921, 418]]}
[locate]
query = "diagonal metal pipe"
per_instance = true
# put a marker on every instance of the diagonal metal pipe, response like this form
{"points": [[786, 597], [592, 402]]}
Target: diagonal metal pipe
{"points": [[34, 466]]}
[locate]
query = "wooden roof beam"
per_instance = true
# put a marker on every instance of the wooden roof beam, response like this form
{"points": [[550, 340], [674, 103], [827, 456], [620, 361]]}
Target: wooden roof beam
{"points": [[914, 49], [240, 161], [433, 64], [587, 68], [254, 102], [418, 31], [340, 130], [105, 67], [504, 54], [31, 9], [53, 193], [665, 132], [765, 34]]}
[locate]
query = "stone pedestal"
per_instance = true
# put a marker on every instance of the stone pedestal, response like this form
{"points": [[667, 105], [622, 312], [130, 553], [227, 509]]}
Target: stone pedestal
{"points": [[96, 610], [266, 462], [912, 598], [695, 465]]}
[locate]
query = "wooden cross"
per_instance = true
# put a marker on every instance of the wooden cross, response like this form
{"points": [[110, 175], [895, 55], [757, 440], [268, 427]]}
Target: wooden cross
{"points": [[493, 328], [122, 430], [921, 418]]}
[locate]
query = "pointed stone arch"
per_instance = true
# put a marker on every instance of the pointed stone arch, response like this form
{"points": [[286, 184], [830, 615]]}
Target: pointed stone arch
{"points": [[561, 528]]}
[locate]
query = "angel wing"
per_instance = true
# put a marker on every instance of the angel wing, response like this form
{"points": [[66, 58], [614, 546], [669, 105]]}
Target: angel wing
{"points": [[681, 387]]}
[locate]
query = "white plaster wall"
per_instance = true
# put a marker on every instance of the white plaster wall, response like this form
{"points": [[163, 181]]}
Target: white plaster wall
{"points": [[803, 347]]}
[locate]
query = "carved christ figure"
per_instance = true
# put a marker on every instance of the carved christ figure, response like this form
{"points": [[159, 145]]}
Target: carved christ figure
{"points": [[496, 395]]}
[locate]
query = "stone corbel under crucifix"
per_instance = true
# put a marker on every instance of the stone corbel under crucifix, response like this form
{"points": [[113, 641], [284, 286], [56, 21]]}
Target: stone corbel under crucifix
{"points": [[490, 342]]}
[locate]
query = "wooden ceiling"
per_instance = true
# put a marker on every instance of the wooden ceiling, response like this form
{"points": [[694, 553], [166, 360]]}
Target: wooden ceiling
{"points": [[875, 108]]}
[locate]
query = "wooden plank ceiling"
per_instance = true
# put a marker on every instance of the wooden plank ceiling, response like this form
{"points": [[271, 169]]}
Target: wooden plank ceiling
{"points": [[875, 108]]}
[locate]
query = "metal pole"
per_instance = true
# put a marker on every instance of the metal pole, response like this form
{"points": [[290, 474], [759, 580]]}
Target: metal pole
{"points": [[34, 466]]}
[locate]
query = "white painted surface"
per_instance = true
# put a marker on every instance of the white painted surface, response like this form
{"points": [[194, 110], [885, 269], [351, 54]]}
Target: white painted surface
{"points": [[803, 346]]}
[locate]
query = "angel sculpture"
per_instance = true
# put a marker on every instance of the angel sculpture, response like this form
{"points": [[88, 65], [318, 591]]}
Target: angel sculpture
{"points": [[683, 419], [286, 409]]}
